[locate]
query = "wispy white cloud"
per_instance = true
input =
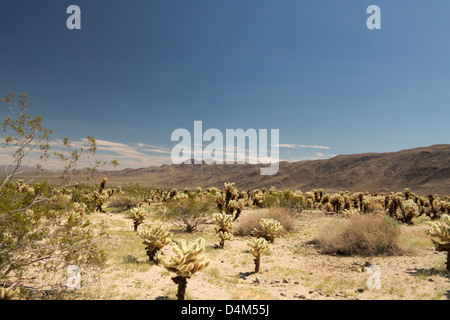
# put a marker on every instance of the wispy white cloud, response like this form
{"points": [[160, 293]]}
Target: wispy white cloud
{"points": [[128, 155], [293, 146], [313, 146], [138, 155]]}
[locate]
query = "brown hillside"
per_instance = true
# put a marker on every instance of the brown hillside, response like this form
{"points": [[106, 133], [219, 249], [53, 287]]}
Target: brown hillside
{"points": [[423, 170]]}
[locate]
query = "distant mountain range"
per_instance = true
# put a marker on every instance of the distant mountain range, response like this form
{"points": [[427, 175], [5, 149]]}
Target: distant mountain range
{"points": [[423, 170]]}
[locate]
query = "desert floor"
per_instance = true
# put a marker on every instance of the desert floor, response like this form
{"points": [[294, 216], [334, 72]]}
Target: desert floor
{"points": [[293, 269]]}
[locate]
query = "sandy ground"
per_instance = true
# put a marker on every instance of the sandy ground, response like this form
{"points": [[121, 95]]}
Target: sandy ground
{"points": [[293, 269]]}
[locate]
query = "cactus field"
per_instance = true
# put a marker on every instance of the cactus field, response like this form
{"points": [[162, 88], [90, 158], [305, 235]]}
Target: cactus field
{"points": [[230, 244]]}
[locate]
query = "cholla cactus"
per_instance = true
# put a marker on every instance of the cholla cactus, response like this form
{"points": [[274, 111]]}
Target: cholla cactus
{"points": [[392, 203], [328, 207], [79, 208], [235, 206], [368, 201], [409, 210], [138, 216], [258, 198], [336, 201], [180, 196], [268, 229], [224, 223], [309, 195], [348, 213], [9, 294], [258, 246], [155, 238], [442, 232], [102, 184], [186, 262]]}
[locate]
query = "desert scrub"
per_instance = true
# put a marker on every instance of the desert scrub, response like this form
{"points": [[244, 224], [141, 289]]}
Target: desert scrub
{"points": [[257, 247], [155, 238], [138, 215], [441, 231], [268, 229], [224, 225], [365, 235], [123, 201], [185, 263]]}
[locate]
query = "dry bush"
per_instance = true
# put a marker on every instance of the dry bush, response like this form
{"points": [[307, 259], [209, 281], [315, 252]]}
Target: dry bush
{"points": [[250, 220], [124, 202], [364, 235], [374, 208]]}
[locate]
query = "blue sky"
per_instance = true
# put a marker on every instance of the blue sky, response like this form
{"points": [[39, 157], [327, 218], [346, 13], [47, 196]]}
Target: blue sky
{"points": [[138, 70]]}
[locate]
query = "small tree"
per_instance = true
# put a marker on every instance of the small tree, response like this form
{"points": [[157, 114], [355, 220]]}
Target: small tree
{"points": [[268, 229], [224, 223], [186, 262], [155, 238], [258, 246], [442, 232], [41, 230], [189, 212]]}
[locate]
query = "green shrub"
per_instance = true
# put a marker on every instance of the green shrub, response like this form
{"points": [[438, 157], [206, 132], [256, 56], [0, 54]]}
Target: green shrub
{"points": [[189, 213]]}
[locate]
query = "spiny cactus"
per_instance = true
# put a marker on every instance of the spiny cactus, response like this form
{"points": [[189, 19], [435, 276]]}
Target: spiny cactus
{"points": [[442, 232], [155, 238], [268, 229], [409, 210], [186, 262], [336, 201], [79, 208], [235, 206], [102, 184], [9, 294], [138, 216], [224, 223], [258, 198], [350, 212], [258, 246]]}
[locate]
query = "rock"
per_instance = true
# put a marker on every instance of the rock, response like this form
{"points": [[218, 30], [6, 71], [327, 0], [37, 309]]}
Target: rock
{"points": [[257, 280], [130, 259], [360, 290], [431, 280], [296, 282], [283, 294], [286, 280], [299, 296]]}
